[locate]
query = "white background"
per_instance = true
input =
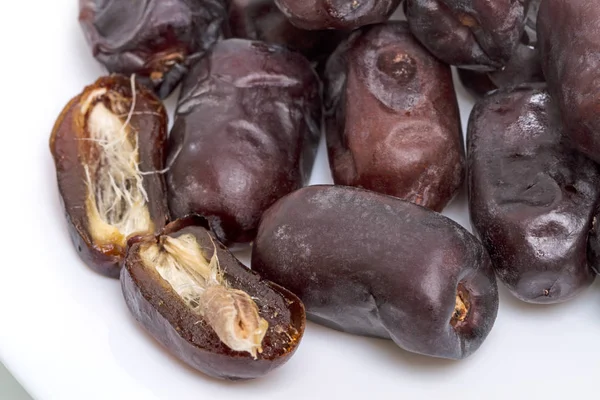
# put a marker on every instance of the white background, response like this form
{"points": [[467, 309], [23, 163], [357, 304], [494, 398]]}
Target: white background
{"points": [[66, 334]]}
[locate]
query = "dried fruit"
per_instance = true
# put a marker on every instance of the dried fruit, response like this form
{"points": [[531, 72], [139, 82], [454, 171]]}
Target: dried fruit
{"points": [[471, 34], [375, 265], [246, 133], [204, 306], [262, 20], [109, 147], [337, 14], [392, 118], [569, 48], [531, 197], [157, 40]]}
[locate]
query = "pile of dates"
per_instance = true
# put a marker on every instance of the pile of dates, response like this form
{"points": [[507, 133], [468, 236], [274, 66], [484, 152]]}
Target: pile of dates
{"points": [[370, 255]]}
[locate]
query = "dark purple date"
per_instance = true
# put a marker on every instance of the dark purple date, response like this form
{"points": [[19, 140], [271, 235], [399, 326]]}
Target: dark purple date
{"points": [[245, 134], [157, 40], [474, 34], [569, 47], [531, 197], [263, 20], [337, 14], [375, 265]]}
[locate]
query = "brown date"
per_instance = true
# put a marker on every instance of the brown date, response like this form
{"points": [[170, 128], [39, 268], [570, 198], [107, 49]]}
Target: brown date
{"points": [[210, 311], [473, 34], [263, 20], [108, 143], [337, 14], [375, 265], [156, 40], [531, 197], [569, 47], [246, 131], [392, 118]]}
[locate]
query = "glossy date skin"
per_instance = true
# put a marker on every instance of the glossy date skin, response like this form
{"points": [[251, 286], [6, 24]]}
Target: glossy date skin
{"points": [[472, 34], [568, 39], [392, 118], [74, 150], [263, 20], [531, 197], [188, 336], [375, 265], [156, 40], [246, 132], [337, 14]]}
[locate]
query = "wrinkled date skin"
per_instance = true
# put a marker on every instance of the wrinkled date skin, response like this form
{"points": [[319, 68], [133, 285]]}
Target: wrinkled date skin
{"points": [[337, 14], [472, 34], [569, 48], [106, 148], [246, 131], [200, 322], [375, 265], [392, 118], [263, 20], [523, 67], [157, 40], [531, 197]]}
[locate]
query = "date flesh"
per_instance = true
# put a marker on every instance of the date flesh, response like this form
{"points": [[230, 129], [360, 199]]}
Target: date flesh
{"points": [[107, 143], [471, 34], [375, 265], [531, 197], [569, 48], [156, 40], [392, 118], [337, 14], [263, 20], [210, 311], [246, 132]]}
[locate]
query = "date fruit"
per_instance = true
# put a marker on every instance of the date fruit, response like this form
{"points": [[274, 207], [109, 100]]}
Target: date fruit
{"points": [[263, 20], [156, 40], [392, 118], [246, 132], [569, 47], [337, 14], [471, 34], [375, 265], [210, 311], [524, 67], [108, 143], [531, 197]]}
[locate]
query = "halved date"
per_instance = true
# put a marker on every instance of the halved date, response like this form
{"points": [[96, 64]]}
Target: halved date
{"points": [[375, 265], [531, 197], [109, 146], [392, 118], [195, 298], [245, 134], [337, 14], [157, 40], [471, 34]]}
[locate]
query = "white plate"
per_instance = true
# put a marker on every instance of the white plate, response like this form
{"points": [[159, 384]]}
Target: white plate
{"points": [[65, 331]]}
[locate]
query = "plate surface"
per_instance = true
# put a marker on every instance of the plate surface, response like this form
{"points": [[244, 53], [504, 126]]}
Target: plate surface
{"points": [[66, 334]]}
